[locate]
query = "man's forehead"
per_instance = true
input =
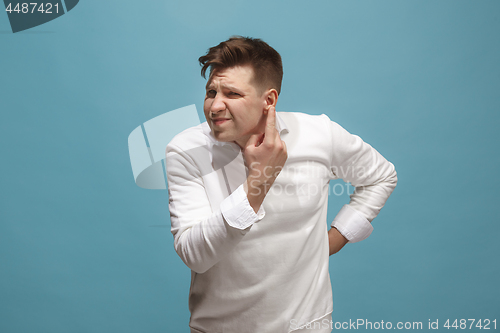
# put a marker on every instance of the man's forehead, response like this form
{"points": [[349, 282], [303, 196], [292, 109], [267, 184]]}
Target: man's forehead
{"points": [[228, 77], [216, 77], [224, 83]]}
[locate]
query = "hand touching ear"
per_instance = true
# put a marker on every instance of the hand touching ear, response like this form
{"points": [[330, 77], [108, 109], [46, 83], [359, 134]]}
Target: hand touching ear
{"points": [[264, 155]]}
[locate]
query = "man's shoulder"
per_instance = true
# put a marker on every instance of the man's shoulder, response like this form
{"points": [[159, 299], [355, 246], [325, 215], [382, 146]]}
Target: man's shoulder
{"points": [[304, 121], [301, 115], [192, 137]]}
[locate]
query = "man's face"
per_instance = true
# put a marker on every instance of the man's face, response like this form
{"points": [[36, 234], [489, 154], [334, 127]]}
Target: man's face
{"points": [[233, 105]]}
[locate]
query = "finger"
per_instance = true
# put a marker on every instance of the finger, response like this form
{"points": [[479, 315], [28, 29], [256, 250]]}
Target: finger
{"points": [[270, 131], [284, 154], [277, 140]]}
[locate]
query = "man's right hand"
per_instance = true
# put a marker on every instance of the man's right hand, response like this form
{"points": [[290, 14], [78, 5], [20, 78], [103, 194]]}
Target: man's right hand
{"points": [[264, 155]]}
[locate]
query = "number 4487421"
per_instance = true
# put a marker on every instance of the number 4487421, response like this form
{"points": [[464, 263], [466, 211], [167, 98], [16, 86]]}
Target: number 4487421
{"points": [[471, 323], [33, 7]]}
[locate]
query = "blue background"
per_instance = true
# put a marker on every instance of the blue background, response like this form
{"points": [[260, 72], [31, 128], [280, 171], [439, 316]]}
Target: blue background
{"points": [[84, 249]]}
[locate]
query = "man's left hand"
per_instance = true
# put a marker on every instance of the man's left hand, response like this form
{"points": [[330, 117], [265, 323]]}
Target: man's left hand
{"points": [[336, 240]]}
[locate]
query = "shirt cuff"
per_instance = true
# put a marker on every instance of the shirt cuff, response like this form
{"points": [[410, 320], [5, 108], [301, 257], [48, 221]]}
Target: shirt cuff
{"points": [[237, 210], [352, 225]]}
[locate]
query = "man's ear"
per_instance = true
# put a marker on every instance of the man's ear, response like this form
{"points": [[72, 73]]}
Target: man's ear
{"points": [[271, 98]]}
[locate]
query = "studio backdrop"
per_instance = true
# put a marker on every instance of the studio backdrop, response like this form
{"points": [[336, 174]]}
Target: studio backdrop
{"points": [[90, 92]]}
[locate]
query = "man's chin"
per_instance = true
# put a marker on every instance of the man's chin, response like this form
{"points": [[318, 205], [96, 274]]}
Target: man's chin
{"points": [[222, 137]]}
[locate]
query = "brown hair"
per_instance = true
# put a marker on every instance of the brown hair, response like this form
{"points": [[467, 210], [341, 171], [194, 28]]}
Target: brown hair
{"points": [[239, 51]]}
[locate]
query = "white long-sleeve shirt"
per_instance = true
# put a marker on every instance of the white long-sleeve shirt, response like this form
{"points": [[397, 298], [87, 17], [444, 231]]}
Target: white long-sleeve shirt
{"points": [[261, 272]]}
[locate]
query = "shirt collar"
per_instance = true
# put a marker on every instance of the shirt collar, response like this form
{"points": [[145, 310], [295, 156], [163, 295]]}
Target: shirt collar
{"points": [[281, 127]]}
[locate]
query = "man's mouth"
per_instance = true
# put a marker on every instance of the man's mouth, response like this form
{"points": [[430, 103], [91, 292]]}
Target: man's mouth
{"points": [[219, 121]]}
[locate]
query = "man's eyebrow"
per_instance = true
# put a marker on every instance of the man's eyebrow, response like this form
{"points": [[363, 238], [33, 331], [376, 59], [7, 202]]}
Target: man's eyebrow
{"points": [[226, 86], [231, 87]]}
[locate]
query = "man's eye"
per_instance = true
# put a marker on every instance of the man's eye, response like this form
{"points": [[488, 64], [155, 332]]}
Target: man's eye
{"points": [[211, 93], [232, 93]]}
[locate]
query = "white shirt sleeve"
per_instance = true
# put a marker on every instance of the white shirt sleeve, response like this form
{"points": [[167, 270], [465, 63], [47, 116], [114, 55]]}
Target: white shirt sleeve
{"points": [[201, 236], [237, 211], [374, 178]]}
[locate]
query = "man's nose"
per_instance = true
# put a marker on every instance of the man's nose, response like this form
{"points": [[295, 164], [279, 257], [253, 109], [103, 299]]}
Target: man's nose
{"points": [[218, 104]]}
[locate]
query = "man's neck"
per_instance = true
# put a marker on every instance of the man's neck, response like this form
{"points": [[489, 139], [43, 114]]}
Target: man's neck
{"points": [[242, 142]]}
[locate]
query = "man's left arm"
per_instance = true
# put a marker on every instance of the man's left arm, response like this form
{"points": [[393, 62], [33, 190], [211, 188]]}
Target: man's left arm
{"points": [[373, 177]]}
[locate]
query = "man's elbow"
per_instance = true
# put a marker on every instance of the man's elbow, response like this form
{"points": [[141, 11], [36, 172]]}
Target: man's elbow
{"points": [[192, 259], [197, 267], [392, 178]]}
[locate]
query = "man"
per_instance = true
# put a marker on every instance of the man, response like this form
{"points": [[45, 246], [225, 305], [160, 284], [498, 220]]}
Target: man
{"points": [[248, 196]]}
